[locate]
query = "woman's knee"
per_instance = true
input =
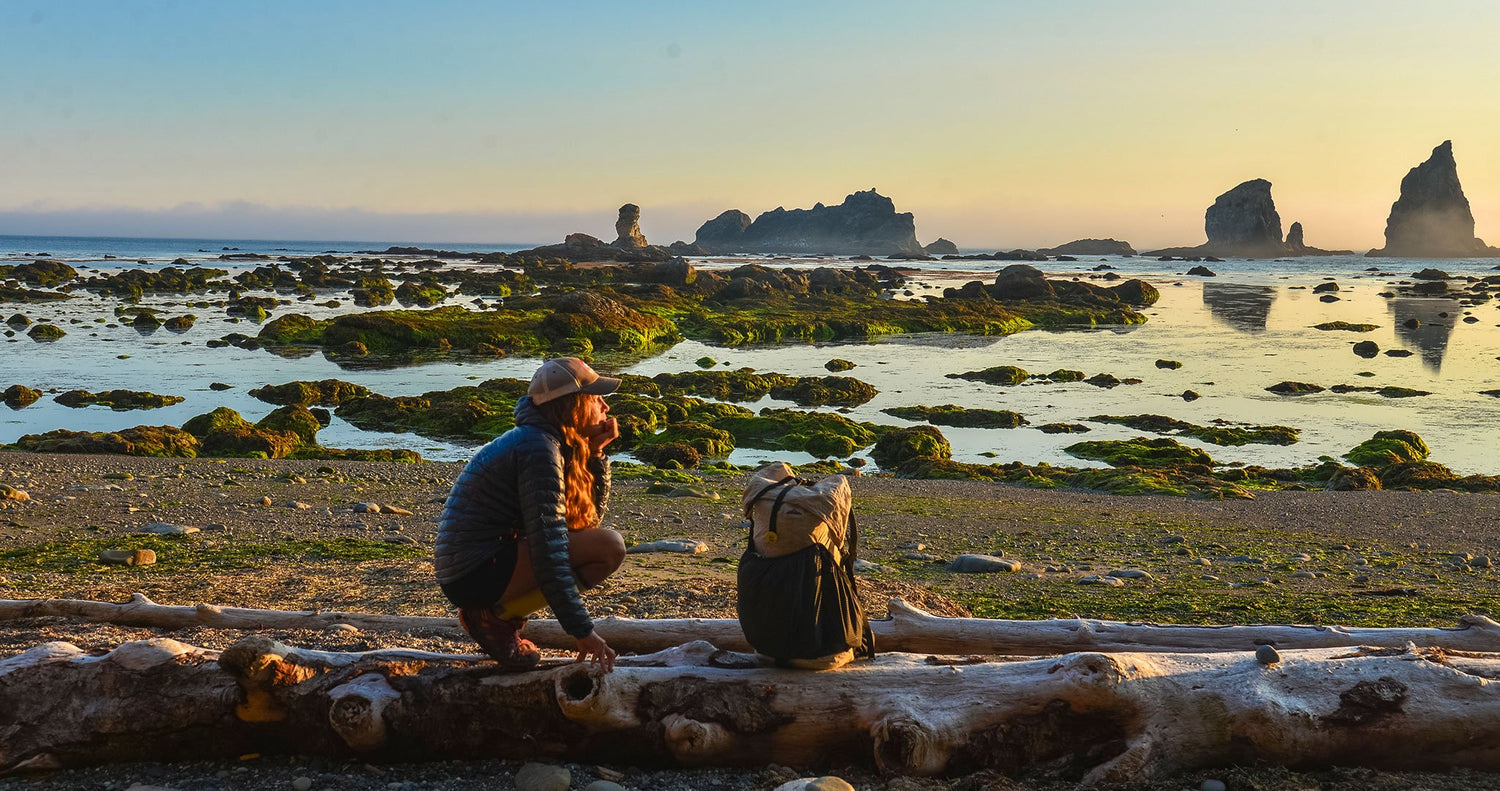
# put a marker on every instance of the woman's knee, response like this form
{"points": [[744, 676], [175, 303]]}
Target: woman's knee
{"points": [[612, 547], [601, 545]]}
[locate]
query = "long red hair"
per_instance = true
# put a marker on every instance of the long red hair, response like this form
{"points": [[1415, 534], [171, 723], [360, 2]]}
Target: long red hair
{"points": [[568, 413]]}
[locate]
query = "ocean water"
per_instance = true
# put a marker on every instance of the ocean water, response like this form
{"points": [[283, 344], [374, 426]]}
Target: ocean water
{"points": [[1235, 334]]}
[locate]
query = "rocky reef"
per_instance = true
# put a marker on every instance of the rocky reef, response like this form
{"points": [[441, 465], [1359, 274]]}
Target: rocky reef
{"points": [[1431, 218], [1090, 247], [866, 223], [1244, 223]]}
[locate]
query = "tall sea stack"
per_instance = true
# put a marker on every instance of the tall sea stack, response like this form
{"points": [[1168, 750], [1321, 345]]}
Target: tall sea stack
{"points": [[1243, 221], [1431, 218]]}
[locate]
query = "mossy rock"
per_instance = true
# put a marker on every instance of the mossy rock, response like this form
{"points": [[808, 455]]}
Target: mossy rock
{"points": [[1417, 475], [954, 415], [118, 400], [293, 328], [670, 456], [901, 445], [424, 294], [1352, 479], [181, 323], [357, 454], [294, 419], [18, 320], [705, 362], [1065, 375], [1222, 434], [373, 292], [745, 384], [220, 419], [479, 413], [153, 441], [1345, 326], [1294, 388], [838, 364], [1389, 447], [1128, 481], [997, 375], [707, 440], [822, 434], [224, 432], [327, 392], [825, 391], [46, 273], [46, 332], [1140, 452], [20, 396]]}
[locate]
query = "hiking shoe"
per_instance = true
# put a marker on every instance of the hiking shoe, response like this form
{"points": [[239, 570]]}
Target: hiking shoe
{"points": [[499, 637]]}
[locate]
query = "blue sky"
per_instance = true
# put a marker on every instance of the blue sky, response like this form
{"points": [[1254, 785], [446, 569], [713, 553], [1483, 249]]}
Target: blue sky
{"points": [[998, 124]]}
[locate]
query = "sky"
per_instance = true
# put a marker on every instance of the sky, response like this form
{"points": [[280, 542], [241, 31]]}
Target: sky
{"points": [[998, 124]]}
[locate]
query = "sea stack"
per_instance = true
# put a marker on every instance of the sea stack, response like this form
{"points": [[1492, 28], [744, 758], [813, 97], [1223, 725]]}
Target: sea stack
{"points": [[1243, 221], [628, 227], [866, 223], [1431, 218]]}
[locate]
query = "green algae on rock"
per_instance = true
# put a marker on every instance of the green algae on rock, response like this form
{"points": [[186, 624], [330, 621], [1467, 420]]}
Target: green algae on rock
{"points": [[899, 446], [327, 392], [954, 415], [292, 419], [708, 441], [224, 432], [822, 434], [1222, 433], [1389, 447], [19, 396], [43, 274], [838, 364], [1294, 388], [1346, 326], [43, 333], [155, 441], [135, 283], [1141, 452], [745, 384], [118, 400], [995, 375], [479, 412]]}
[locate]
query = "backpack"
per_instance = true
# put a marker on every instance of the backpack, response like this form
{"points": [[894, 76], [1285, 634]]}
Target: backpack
{"points": [[797, 594]]}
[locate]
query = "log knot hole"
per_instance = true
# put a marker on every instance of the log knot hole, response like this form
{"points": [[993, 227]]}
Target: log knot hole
{"points": [[1369, 701], [578, 686]]}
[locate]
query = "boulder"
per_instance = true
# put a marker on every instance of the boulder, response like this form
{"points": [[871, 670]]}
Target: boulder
{"points": [[1021, 282], [1090, 247], [941, 247], [983, 564], [1431, 217]]}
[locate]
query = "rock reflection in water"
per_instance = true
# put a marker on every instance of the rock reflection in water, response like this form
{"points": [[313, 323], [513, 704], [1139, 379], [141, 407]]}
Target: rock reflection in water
{"points": [[1242, 307], [1430, 337]]}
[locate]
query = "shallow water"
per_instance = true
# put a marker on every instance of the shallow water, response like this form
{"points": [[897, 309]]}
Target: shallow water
{"points": [[1235, 334]]}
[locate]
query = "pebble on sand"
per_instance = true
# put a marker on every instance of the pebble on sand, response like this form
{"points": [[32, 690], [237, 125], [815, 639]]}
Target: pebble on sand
{"points": [[394, 509], [603, 785], [686, 546], [983, 564], [366, 508], [1267, 655], [543, 777], [1094, 579], [825, 783]]}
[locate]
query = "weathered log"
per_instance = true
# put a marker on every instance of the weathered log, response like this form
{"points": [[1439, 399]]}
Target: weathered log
{"points": [[907, 628], [1120, 717]]}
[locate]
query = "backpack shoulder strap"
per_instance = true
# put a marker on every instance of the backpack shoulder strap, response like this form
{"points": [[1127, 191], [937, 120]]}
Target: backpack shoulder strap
{"points": [[750, 506]]}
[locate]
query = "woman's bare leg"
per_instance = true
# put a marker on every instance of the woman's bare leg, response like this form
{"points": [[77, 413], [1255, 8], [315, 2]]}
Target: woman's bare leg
{"points": [[594, 555]]}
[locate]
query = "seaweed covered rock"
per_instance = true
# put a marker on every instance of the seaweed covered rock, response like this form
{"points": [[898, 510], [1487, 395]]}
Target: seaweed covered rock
{"points": [[45, 273], [154, 441], [954, 415], [327, 392], [181, 323], [1389, 447], [135, 283], [479, 412], [19, 396], [46, 332], [606, 322], [670, 456], [422, 294], [822, 434], [1222, 433], [373, 291], [118, 400], [224, 432], [745, 384], [1351, 479], [996, 375], [1295, 388], [902, 445], [1141, 452], [707, 440], [292, 419]]}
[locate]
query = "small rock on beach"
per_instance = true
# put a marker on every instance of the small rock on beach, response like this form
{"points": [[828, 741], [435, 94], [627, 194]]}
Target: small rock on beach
{"points": [[686, 546], [167, 529], [983, 564], [543, 777]]}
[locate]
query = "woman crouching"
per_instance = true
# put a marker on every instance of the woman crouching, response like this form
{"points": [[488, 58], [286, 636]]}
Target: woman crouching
{"points": [[520, 530]]}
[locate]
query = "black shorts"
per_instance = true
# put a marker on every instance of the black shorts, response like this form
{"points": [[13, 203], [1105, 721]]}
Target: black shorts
{"points": [[485, 585]]}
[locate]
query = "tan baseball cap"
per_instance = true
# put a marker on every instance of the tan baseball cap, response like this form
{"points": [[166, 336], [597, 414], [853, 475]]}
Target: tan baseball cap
{"points": [[563, 375]]}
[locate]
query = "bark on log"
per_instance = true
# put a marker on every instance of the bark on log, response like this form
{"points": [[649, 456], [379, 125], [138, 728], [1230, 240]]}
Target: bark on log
{"points": [[1120, 717], [908, 629]]}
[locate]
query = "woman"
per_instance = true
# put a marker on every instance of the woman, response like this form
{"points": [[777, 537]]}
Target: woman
{"points": [[521, 527]]}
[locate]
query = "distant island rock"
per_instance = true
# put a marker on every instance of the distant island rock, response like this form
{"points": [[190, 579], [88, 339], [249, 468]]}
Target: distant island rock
{"points": [[941, 247], [630, 244], [1243, 223], [866, 223], [1090, 247], [1431, 218]]}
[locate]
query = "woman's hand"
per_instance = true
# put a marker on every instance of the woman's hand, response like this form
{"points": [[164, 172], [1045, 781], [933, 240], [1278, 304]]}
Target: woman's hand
{"points": [[593, 648], [601, 434]]}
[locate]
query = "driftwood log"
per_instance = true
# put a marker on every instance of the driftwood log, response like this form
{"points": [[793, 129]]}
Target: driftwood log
{"points": [[1104, 717], [907, 629]]}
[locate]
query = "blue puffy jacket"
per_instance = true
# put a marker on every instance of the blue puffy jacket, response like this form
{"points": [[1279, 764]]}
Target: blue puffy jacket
{"points": [[513, 489]]}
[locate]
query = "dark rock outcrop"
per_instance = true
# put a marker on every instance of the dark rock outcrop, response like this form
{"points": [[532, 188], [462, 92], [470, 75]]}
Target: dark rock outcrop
{"points": [[1243, 221], [941, 247], [865, 223], [1431, 218], [1090, 247], [628, 228], [1294, 237]]}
